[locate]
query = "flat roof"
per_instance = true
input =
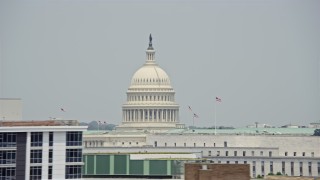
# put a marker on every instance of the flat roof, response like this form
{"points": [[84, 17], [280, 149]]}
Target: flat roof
{"points": [[236, 131], [38, 123]]}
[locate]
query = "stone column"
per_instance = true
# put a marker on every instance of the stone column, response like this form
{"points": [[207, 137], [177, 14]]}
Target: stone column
{"points": [[134, 115]]}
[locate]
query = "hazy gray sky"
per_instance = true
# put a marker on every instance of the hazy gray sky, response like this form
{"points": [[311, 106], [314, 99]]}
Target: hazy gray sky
{"points": [[262, 58]]}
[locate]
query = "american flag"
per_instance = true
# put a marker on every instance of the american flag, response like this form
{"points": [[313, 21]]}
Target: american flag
{"points": [[218, 99], [62, 110], [195, 115], [190, 108]]}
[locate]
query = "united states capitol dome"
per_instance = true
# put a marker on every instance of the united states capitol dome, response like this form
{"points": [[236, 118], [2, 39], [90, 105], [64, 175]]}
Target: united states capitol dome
{"points": [[150, 101]]}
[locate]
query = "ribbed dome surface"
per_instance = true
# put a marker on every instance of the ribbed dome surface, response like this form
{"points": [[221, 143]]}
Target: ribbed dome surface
{"points": [[150, 74]]}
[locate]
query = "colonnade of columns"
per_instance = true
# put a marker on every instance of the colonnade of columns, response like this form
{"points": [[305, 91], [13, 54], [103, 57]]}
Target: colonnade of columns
{"points": [[150, 115]]}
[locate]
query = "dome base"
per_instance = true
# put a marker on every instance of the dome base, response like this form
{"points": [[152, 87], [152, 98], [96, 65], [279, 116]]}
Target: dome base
{"points": [[154, 127]]}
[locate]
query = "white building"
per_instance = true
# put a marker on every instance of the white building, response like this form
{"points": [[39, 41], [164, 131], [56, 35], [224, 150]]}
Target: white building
{"points": [[34, 150], [10, 109], [150, 98]]}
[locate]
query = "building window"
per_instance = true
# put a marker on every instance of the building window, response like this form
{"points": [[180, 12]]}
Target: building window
{"points": [[252, 153], [292, 168], [7, 157], [36, 156], [271, 167], [155, 144], [165, 144], [301, 168], [8, 139], [262, 168], [235, 153], [310, 168], [294, 153], [214, 144], [225, 144], [73, 172], [253, 168], [50, 155], [74, 138], [50, 172], [236, 162], [73, 155], [209, 153], [312, 154], [36, 139], [270, 153], [303, 154], [35, 172], [175, 144], [227, 153], [7, 173], [244, 162], [285, 153], [283, 167], [204, 144], [318, 168], [243, 153], [218, 153], [261, 153], [228, 162], [185, 144], [50, 138], [194, 144]]}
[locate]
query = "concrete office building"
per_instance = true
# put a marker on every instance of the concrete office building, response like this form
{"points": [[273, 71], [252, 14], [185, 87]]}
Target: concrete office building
{"points": [[34, 150]]}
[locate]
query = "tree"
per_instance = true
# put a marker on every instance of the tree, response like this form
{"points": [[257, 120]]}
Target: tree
{"points": [[316, 132]]}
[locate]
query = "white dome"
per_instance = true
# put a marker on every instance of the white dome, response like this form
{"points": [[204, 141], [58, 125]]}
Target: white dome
{"points": [[150, 74]]}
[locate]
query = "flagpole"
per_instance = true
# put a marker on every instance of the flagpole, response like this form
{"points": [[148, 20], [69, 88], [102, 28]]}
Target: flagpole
{"points": [[215, 117], [193, 121]]}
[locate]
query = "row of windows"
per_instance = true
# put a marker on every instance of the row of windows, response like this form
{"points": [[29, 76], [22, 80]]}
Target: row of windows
{"points": [[7, 157], [74, 138], [7, 173], [36, 156], [101, 143], [150, 80], [73, 172], [235, 153], [36, 139], [74, 155], [8, 139], [295, 154], [35, 172], [150, 98], [283, 168]]}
